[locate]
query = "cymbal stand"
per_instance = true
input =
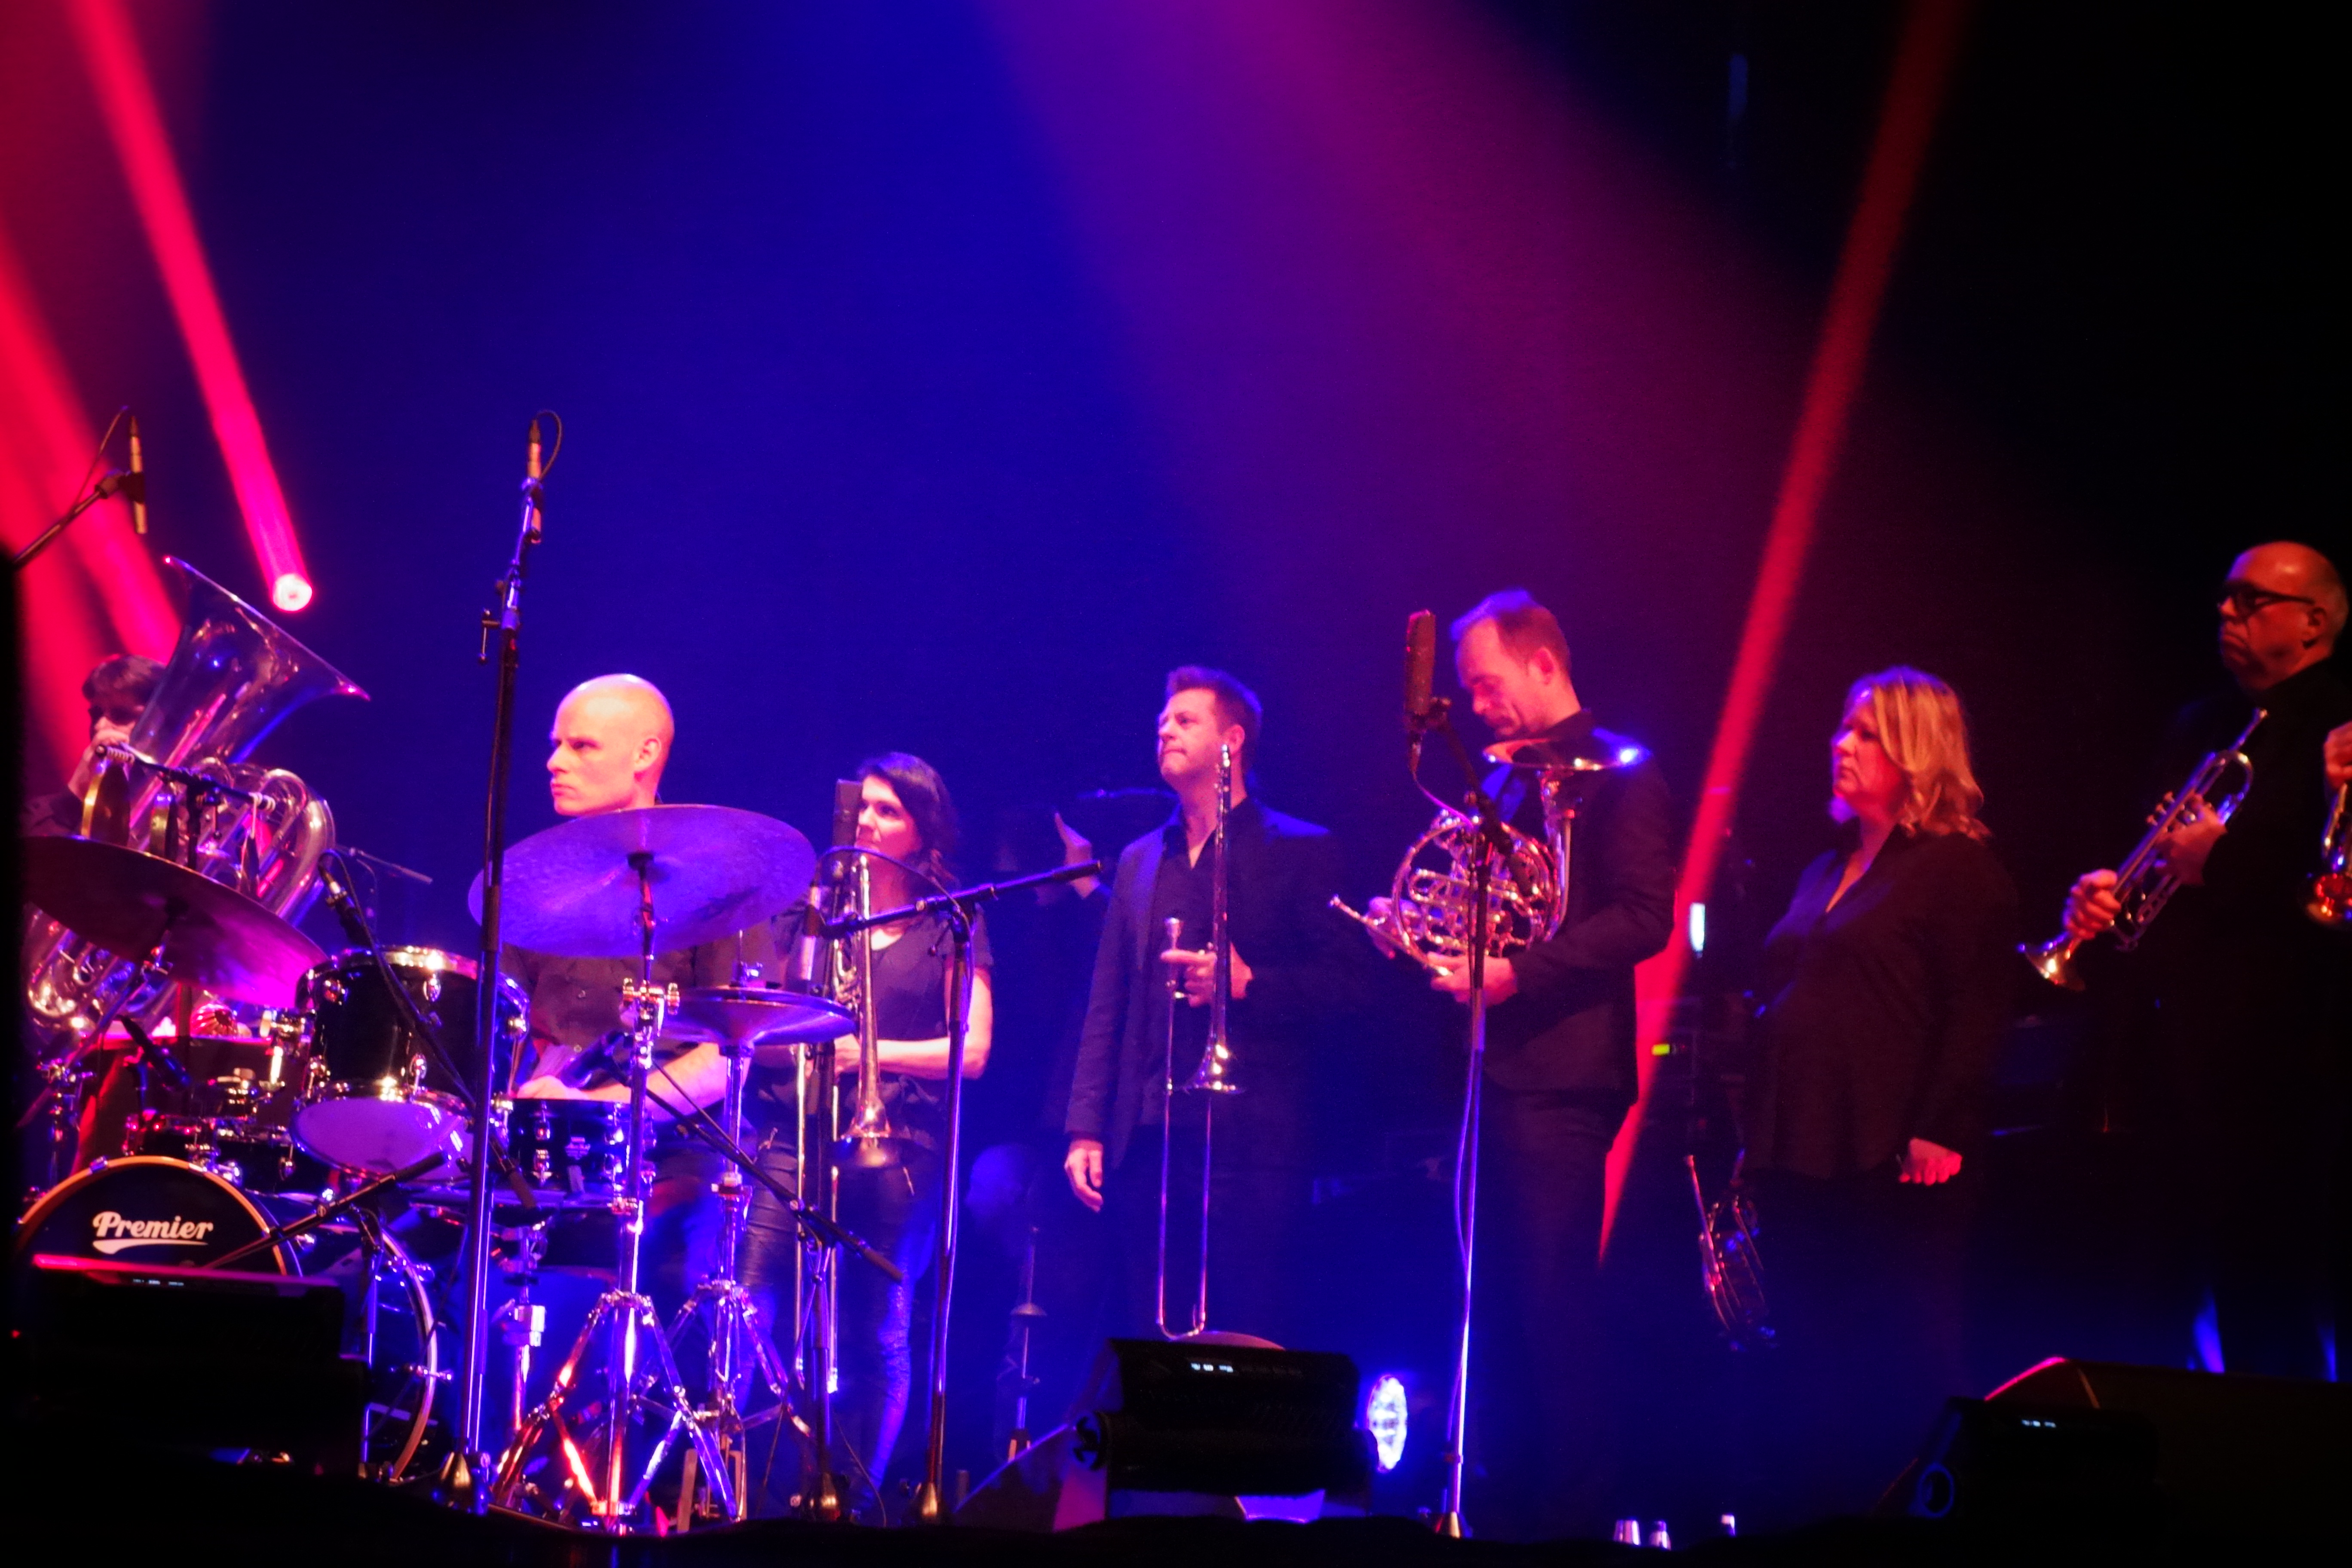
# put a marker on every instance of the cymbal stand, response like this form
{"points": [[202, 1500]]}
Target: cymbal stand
{"points": [[624, 1313], [732, 1319]]}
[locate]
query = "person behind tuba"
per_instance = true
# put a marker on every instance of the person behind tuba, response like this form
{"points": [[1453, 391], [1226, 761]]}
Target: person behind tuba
{"points": [[1560, 1074], [1292, 965], [2249, 1026]]}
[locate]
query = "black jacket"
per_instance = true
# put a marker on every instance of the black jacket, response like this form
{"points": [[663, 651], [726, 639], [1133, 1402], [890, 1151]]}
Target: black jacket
{"points": [[1570, 1028], [1304, 960], [1886, 1012]]}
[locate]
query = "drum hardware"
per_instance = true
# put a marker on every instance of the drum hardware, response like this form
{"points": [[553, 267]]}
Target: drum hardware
{"points": [[1213, 1075], [742, 1019], [2330, 903], [2143, 885], [623, 1317]]}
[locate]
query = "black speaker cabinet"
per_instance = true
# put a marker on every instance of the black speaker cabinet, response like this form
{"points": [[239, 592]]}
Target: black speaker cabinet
{"points": [[2228, 1455]]}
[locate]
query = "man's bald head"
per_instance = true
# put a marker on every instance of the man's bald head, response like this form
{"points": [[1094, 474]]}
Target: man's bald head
{"points": [[2283, 609], [610, 744]]}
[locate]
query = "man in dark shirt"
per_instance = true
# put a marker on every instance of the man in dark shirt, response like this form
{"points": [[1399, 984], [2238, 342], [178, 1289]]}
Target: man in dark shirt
{"points": [[2251, 1021], [117, 690], [1292, 965], [1560, 1073], [609, 744]]}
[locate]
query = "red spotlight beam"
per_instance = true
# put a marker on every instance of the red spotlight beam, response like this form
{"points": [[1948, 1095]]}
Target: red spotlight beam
{"points": [[1915, 96], [126, 100]]}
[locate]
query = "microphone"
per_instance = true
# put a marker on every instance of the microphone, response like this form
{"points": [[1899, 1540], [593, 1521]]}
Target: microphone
{"points": [[346, 907], [533, 472], [1420, 665], [136, 489]]}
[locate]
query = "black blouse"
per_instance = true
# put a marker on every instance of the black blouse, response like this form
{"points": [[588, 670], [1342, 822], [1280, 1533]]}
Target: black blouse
{"points": [[1885, 1012]]}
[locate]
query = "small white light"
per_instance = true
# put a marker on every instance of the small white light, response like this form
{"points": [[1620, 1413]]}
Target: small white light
{"points": [[1698, 929], [1384, 1418]]}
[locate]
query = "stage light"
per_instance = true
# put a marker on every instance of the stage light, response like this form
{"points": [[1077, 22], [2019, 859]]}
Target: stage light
{"points": [[134, 123], [290, 591], [1698, 929], [1384, 1418]]}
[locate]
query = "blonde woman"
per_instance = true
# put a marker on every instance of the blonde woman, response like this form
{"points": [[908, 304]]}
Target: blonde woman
{"points": [[1888, 986]]}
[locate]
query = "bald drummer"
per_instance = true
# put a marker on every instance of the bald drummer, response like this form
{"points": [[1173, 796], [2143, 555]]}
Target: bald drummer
{"points": [[607, 752]]}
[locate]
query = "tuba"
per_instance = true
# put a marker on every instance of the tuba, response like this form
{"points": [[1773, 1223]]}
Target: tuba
{"points": [[1433, 900], [181, 789], [2143, 887]]}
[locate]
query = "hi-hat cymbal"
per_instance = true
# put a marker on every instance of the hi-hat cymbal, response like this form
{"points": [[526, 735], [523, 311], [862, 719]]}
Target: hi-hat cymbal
{"points": [[126, 901], [571, 891], [756, 1015]]}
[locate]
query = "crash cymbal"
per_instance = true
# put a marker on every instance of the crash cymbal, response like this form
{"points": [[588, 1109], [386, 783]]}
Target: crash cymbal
{"points": [[571, 891], [756, 1015], [213, 936]]}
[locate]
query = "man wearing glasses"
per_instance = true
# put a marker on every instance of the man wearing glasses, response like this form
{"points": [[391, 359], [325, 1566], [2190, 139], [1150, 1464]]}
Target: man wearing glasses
{"points": [[2249, 993]]}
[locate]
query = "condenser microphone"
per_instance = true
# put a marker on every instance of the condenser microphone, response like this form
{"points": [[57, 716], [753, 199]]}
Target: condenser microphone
{"points": [[533, 472], [137, 488], [1420, 665]]}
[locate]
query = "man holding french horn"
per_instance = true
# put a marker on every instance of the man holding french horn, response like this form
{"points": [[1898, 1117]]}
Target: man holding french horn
{"points": [[1560, 1068], [2249, 980]]}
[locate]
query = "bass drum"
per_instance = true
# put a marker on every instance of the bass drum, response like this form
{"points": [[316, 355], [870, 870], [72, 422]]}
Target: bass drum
{"points": [[146, 1209]]}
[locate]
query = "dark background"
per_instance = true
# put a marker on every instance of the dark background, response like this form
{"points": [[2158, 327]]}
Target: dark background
{"points": [[937, 375]]}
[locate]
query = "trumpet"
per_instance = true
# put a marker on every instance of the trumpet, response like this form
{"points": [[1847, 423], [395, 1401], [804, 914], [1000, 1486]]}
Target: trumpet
{"points": [[1214, 1075], [2143, 885], [2331, 886]]}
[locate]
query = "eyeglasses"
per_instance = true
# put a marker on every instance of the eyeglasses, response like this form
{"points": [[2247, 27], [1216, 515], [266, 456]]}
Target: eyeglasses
{"points": [[2244, 600]]}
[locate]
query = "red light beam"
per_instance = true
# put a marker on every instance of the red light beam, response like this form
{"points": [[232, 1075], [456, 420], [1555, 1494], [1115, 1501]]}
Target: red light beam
{"points": [[1906, 121], [126, 100]]}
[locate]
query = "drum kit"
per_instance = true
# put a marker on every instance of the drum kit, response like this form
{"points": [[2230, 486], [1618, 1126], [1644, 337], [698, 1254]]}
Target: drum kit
{"points": [[347, 1094]]}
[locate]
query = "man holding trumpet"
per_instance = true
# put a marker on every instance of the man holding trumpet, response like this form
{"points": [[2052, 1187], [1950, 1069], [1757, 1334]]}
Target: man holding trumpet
{"points": [[2250, 1020]]}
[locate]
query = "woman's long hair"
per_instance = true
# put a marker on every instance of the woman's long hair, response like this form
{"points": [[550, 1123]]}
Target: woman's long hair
{"points": [[1925, 735], [924, 794]]}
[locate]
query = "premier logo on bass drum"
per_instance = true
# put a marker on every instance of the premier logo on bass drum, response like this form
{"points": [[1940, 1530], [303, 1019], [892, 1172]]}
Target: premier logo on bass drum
{"points": [[114, 1234]]}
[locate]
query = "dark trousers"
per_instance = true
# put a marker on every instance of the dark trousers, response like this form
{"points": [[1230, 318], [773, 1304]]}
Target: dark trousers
{"points": [[1256, 1220], [1537, 1431], [1864, 1276], [896, 1211]]}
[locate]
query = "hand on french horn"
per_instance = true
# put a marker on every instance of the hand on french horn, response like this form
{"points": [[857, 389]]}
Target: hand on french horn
{"points": [[1197, 973], [2092, 905], [1502, 982]]}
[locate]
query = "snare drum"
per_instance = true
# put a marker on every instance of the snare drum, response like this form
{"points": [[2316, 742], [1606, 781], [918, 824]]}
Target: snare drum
{"points": [[577, 1147], [375, 1098]]}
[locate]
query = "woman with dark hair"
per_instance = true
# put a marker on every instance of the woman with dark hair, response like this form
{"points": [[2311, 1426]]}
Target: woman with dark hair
{"points": [[1887, 985], [908, 819]]}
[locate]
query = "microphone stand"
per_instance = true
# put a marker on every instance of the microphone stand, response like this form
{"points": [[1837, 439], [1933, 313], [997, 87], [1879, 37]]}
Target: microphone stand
{"points": [[503, 623], [113, 484], [956, 908], [1449, 1520]]}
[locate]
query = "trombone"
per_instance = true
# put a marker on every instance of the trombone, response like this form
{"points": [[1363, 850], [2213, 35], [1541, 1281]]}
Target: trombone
{"points": [[1214, 1075], [2143, 886]]}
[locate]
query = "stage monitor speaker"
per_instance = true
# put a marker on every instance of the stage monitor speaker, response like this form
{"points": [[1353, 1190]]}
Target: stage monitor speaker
{"points": [[1214, 1424], [2229, 1453], [187, 1359]]}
